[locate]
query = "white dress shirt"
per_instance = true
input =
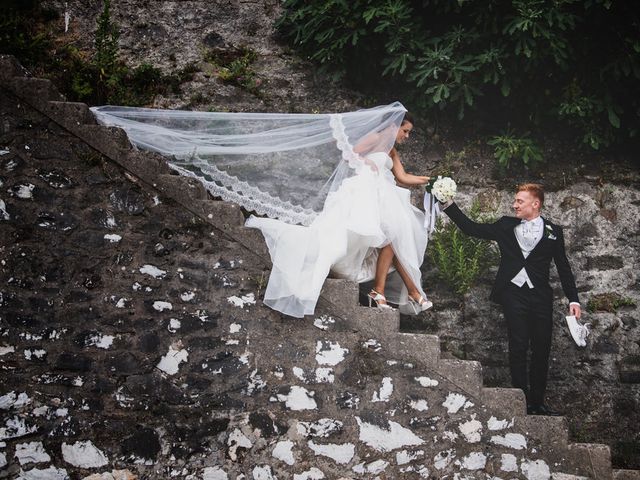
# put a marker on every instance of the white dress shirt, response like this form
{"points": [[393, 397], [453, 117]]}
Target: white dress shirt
{"points": [[528, 233]]}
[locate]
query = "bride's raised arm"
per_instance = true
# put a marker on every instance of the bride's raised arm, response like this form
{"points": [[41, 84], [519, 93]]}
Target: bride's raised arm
{"points": [[401, 175]]}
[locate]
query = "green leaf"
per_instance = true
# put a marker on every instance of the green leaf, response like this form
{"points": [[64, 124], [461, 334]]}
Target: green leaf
{"points": [[437, 96], [468, 96], [505, 88], [613, 118]]}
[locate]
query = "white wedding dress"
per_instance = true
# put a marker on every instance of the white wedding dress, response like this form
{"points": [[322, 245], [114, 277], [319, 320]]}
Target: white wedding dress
{"points": [[367, 212]]}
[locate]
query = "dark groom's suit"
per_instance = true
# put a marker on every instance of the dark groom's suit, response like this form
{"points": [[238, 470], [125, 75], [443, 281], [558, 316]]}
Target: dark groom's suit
{"points": [[528, 311]]}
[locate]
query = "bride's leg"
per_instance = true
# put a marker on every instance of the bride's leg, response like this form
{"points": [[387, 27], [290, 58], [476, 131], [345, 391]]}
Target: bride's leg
{"points": [[385, 258], [412, 290]]}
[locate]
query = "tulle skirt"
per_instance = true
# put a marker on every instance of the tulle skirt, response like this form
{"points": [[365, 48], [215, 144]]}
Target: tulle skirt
{"points": [[366, 213]]}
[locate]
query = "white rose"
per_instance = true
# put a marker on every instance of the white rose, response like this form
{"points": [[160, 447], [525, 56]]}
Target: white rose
{"points": [[444, 189]]}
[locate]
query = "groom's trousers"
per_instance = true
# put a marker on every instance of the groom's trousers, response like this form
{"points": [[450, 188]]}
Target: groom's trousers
{"points": [[528, 313]]}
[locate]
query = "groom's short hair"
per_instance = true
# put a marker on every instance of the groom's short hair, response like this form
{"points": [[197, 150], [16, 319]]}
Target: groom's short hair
{"points": [[534, 189]]}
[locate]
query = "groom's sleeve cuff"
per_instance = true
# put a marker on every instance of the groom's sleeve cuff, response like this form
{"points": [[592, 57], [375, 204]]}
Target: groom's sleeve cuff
{"points": [[574, 303]]}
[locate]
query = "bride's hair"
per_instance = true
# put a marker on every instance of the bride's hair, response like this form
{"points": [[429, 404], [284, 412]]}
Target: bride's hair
{"points": [[534, 189], [407, 118]]}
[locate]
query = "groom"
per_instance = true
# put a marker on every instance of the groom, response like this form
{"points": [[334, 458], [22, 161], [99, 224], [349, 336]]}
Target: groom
{"points": [[527, 245]]}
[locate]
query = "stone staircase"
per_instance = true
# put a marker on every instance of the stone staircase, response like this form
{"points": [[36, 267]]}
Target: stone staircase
{"points": [[416, 415]]}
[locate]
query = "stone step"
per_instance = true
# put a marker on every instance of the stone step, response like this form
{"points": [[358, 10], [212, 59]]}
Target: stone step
{"points": [[10, 67], [418, 348], [466, 374], [71, 114], [371, 322], [253, 240], [626, 475], [184, 190], [341, 292], [37, 90], [110, 141], [591, 459], [145, 165], [549, 431], [508, 402], [224, 215]]}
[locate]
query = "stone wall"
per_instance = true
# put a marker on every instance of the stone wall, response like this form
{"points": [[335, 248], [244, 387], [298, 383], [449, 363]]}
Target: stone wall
{"points": [[173, 34]]}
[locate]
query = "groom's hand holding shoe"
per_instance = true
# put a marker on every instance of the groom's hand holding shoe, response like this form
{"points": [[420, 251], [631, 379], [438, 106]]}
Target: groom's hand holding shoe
{"points": [[575, 310]]}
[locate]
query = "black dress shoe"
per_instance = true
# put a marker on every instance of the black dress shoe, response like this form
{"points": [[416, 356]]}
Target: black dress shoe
{"points": [[542, 410]]}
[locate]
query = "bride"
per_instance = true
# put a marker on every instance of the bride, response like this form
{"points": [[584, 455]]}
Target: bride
{"points": [[367, 230], [332, 186]]}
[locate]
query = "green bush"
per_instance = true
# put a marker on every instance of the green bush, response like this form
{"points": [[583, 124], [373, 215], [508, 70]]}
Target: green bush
{"points": [[508, 147], [461, 259], [235, 67], [609, 302], [568, 65]]}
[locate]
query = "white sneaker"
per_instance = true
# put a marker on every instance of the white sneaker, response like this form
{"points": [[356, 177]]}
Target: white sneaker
{"points": [[578, 332]]}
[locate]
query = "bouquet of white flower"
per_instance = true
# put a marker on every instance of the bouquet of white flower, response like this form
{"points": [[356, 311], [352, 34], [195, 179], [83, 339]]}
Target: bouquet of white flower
{"points": [[443, 188]]}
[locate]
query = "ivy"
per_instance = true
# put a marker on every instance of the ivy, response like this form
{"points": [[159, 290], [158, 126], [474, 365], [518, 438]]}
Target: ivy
{"points": [[568, 65], [509, 147]]}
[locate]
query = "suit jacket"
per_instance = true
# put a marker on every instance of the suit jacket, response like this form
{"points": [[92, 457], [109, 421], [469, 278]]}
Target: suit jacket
{"points": [[537, 264]]}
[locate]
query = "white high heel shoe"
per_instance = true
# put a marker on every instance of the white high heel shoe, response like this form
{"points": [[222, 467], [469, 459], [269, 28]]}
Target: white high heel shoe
{"points": [[420, 305], [378, 298]]}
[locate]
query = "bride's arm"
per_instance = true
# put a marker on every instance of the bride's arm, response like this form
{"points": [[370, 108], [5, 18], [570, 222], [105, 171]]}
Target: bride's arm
{"points": [[364, 145], [403, 177]]}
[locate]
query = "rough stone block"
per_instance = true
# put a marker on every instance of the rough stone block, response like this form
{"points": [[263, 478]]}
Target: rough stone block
{"points": [[373, 322], [605, 262], [464, 373], [223, 215], [74, 362], [144, 165], [10, 67], [626, 475], [550, 431], [416, 348], [183, 190], [592, 459], [509, 402], [343, 293], [253, 240], [71, 114], [110, 141], [629, 369], [37, 90]]}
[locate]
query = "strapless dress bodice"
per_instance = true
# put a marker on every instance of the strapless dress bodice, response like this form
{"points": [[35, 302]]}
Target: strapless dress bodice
{"points": [[381, 159]]}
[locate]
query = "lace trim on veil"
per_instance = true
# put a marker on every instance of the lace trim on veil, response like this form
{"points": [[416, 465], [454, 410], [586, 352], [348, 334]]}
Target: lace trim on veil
{"points": [[342, 141], [231, 189]]}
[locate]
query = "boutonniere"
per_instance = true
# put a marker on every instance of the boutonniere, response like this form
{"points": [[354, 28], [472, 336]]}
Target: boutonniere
{"points": [[548, 229]]}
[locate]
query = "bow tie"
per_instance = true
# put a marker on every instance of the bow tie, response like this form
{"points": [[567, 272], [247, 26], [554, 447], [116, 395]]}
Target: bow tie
{"points": [[531, 226]]}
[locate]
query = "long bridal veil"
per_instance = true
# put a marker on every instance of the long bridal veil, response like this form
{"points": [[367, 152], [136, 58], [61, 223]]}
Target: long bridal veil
{"points": [[279, 165]]}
